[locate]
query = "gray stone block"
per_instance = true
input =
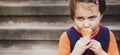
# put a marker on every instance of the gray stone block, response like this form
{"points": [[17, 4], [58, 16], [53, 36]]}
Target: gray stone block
{"points": [[37, 34], [29, 34], [61, 19], [47, 10], [113, 9], [34, 10], [52, 1], [118, 43], [111, 19], [44, 27], [33, 27], [35, 19], [17, 47], [112, 1], [51, 19], [19, 1], [117, 35]]}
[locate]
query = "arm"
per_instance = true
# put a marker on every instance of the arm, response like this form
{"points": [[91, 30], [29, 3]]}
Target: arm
{"points": [[80, 46], [113, 49], [64, 45]]}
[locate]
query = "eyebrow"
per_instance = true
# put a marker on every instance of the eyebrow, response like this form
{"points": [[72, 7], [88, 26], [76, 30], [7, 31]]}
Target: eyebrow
{"points": [[92, 16], [87, 16], [79, 16]]}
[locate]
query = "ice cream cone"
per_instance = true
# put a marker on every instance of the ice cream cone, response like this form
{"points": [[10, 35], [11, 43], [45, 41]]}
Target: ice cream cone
{"points": [[86, 32]]}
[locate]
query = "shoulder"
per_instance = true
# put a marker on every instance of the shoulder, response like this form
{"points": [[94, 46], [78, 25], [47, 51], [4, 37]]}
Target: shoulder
{"points": [[64, 45], [65, 34], [111, 33], [64, 37], [113, 48], [112, 36]]}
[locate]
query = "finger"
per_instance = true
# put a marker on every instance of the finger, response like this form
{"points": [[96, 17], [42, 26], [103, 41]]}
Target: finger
{"points": [[95, 43], [87, 38], [84, 40], [93, 46], [89, 45], [93, 49], [93, 40]]}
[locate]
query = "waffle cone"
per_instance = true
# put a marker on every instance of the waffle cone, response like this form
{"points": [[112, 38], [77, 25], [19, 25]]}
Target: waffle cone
{"points": [[86, 32]]}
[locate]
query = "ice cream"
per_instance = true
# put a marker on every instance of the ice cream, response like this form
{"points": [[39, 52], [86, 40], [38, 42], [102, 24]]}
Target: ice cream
{"points": [[86, 32]]}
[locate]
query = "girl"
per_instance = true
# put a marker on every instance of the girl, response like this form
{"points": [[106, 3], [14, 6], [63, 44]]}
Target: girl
{"points": [[87, 14]]}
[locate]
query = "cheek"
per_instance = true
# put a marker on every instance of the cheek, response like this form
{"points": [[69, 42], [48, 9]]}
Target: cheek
{"points": [[95, 24], [78, 24]]}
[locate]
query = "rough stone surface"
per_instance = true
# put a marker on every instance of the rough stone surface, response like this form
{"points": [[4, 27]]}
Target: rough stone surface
{"points": [[43, 10], [16, 47], [33, 27], [108, 1]]}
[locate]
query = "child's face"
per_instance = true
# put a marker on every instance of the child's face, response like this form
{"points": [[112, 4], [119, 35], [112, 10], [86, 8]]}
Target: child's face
{"points": [[87, 15]]}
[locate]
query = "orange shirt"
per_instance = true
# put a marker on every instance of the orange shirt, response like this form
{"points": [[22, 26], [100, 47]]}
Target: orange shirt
{"points": [[64, 45]]}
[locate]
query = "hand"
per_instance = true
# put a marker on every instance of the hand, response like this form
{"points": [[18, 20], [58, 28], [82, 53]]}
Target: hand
{"points": [[96, 48], [81, 45]]}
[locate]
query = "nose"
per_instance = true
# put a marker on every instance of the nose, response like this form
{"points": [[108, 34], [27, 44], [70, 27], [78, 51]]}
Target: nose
{"points": [[86, 24]]}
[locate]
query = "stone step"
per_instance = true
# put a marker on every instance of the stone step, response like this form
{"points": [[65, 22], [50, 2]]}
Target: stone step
{"points": [[27, 27], [13, 47], [118, 43], [52, 1], [54, 19], [48, 1], [11, 20], [32, 28], [47, 32], [30, 53], [30, 47], [42, 9], [33, 2], [44, 27], [32, 32], [110, 19]]}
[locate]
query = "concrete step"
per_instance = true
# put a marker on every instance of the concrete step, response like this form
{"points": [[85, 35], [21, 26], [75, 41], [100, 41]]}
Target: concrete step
{"points": [[43, 31], [38, 21], [46, 32], [118, 43], [33, 27], [48, 1], [113, 9], [19, 1], [31, 7], [34, 1], [110, 19], [13, 47], [44, 27], [42, 9]]}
